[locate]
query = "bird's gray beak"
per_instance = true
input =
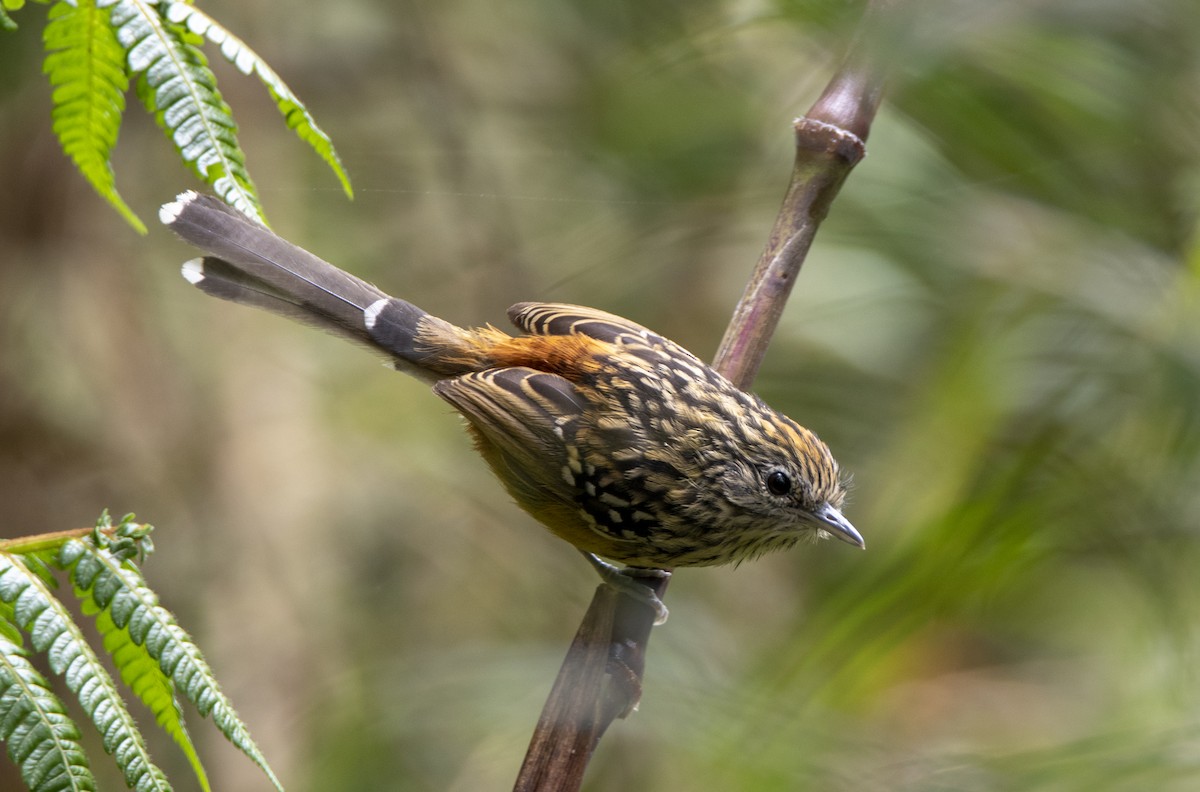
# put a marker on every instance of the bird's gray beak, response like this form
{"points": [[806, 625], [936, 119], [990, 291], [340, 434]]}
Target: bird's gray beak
{"points": [[831, 521]]}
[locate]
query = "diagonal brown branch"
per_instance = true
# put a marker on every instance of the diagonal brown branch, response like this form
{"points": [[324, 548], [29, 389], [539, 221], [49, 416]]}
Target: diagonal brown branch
{"points": [[601, 677], [830, 141]]}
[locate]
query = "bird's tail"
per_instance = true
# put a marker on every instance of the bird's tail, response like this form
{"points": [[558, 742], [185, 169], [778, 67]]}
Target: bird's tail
{"points": [[249, 264]]}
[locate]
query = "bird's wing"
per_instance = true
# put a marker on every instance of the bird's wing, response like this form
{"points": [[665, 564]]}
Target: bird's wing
{"points": [[563, 319], [525, 422]]}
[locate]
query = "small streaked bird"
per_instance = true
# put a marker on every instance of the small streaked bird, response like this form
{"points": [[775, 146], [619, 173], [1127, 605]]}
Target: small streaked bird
{"points": [[616, 439]]}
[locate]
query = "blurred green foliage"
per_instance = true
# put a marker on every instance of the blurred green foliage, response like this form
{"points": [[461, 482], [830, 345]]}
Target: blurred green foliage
{"points": [[997, 332]]}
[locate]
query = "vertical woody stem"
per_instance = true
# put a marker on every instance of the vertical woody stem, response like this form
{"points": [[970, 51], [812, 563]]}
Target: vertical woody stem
{"points": [[830, 141], [601, 677]]}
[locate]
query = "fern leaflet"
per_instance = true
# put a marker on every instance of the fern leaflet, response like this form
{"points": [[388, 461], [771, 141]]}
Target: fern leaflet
{"points": [[51, 630], [41, 738], [246, 60], [86, 67], [141, 674], [176, 85], [119, 589]]}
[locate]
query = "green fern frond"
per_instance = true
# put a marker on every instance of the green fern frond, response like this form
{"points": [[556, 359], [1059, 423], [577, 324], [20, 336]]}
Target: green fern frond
{"points": [[118, 588], [140, 672], [248, 61], [52, 630], [86, 66], [41, 738], [178, 87]]}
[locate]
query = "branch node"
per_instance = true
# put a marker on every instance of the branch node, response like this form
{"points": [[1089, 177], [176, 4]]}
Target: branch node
{"points": [[815, 135]]}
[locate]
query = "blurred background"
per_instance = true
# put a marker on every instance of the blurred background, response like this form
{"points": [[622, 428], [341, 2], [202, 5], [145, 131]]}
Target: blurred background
{"points": [[997, 333]]}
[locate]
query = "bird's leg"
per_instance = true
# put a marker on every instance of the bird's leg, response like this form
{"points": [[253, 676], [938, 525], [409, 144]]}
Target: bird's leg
{"points": [[621, 580]]}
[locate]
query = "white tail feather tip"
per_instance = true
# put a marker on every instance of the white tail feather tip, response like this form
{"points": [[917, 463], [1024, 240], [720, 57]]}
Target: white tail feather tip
{"points": [[169, 212], [193, 270], [372, 311]]}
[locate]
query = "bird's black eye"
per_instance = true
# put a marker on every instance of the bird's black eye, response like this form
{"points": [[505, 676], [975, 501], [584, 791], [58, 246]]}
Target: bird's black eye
{"points": [[779, 483]]}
